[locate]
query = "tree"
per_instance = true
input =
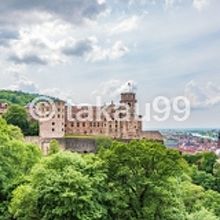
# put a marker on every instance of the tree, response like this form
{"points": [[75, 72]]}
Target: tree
{"points": [[202, 214], [204, 161], [203, 179], [139, 181], [64, 186], [17, 115], [192, 196], [54, 147], [216, 172], [16, 161], [211, 201]]}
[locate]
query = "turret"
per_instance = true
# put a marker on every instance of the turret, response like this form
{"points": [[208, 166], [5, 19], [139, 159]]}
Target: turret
{"points": [[129, 98]]}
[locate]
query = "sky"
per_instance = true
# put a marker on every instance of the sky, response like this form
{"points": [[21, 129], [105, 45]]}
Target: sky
{"points": [[81, 49]]}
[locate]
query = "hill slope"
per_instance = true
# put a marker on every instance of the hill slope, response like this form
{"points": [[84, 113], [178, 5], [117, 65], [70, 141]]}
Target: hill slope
{"points": [[16, 97]]}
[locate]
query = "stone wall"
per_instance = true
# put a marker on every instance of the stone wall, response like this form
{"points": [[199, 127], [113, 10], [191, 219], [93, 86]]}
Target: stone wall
{"points": [[80, 145]]}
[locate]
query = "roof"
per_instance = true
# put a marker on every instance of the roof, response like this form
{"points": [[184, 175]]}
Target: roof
{"points": [[152, 135]]}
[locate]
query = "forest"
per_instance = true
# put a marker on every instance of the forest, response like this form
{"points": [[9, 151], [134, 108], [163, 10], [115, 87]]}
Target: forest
{"points": [[16, 97], [137, 180]]}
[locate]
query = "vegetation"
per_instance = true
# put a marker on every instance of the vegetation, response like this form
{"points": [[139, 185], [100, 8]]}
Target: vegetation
{"points": [[54, 147], [16, 97], [18, 116], [136, 180]]}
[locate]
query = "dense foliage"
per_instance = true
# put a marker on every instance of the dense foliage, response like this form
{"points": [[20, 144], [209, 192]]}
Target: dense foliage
{"points": [[137, 180], [18, 116], [16, 97]]}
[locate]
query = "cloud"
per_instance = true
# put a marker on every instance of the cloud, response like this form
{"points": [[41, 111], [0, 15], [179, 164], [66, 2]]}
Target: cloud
{"points": [[58, 93], [21, 83], [202, 96], [91, 50], [126, 25], [80, 48], [7, 35], [73, 11], [117, 51], [113, 88], [28, 59], [200, 4]]}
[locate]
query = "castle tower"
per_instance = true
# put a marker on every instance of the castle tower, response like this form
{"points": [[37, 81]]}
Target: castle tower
{"points": [[129, 98], [54, 127]]}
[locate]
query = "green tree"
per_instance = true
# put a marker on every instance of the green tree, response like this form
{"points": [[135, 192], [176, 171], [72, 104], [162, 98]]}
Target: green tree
{"points": [[54, 147], [192, 195], [204, 161], [64, 186], [17, 115], [203, 179], [211, 202], [202, 214], [139, 181], [16, 160]]}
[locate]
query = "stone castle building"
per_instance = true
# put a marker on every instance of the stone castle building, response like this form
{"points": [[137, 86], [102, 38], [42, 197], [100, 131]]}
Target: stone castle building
{"points": [[116, 124]]}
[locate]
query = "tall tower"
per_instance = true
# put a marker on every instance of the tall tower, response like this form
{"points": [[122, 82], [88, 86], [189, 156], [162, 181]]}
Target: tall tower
{"points": [[54, 127], [129, 98]]}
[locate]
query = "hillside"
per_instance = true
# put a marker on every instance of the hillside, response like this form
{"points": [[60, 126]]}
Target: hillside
{"points": [[16, 97]]}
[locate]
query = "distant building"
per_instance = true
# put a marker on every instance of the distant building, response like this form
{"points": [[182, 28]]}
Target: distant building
{"points": [[3, 108], [61, 125]]}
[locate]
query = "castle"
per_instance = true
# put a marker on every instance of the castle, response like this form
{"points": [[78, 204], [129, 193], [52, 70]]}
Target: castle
{"points": [[65, 123]]}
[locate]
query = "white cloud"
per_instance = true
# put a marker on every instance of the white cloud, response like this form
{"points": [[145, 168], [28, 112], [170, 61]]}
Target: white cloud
{"points": [[200, 4], [126, 25], [21, 83], [98, 53], [58, 93], [113, 88], [202, 96]]}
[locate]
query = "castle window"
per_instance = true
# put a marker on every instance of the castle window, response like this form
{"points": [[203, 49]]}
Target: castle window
{"points": [[53, 123], [58, 109], [72, 124], [53, 129], [77, 124], [84, 124], [58, 116]]}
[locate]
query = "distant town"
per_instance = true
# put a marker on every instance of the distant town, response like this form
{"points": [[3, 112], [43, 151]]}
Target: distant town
{"points": [[193, 141]]}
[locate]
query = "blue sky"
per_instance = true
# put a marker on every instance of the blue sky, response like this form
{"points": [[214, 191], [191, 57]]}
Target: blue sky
{"points": [[80, 49]]}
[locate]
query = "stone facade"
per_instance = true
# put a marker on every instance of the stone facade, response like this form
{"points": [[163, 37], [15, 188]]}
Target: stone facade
{"points": [[104, 126], [66, 123], [54, 127]]}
